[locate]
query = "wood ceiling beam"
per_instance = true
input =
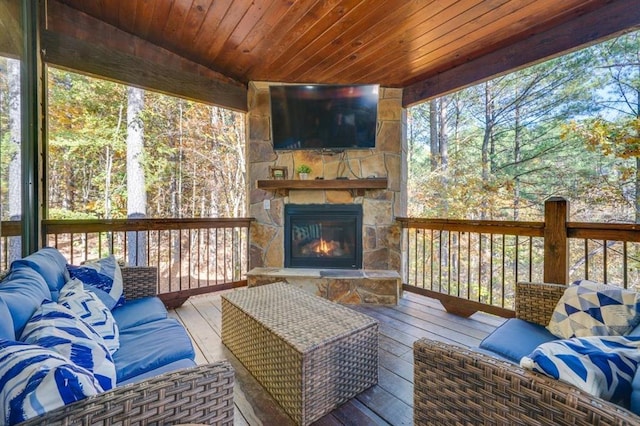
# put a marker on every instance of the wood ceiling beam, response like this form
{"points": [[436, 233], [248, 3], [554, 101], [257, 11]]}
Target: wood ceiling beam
{"points": [[611, 18], [81, 43]]}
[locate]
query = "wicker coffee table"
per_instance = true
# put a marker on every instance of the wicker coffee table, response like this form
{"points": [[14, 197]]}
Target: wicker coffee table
{"points": [[309, 353]]}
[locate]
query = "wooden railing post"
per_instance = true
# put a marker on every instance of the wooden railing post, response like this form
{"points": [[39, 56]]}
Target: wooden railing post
{"points": [[556, 244]]}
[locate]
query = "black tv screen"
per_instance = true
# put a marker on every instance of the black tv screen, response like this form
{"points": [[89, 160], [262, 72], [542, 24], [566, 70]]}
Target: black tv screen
{"points": [[324, 116]]}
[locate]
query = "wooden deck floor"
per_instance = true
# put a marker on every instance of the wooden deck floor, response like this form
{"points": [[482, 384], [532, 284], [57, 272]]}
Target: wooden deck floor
{"points": [[390, 402]]}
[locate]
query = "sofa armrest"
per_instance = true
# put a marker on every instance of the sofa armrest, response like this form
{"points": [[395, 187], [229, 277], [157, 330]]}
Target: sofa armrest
{"points": [[202, 394], [139, 281], [535, 302], [456, 385]]}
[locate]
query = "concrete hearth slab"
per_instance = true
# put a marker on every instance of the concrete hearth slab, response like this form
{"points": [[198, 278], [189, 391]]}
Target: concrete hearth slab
{"points": [[363, 286]]}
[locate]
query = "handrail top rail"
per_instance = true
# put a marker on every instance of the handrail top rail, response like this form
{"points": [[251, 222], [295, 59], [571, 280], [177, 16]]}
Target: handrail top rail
{"points": [[142, 224]]}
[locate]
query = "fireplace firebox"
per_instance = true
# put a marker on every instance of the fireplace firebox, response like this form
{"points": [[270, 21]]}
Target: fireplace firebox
{"points": [[323, 236]]}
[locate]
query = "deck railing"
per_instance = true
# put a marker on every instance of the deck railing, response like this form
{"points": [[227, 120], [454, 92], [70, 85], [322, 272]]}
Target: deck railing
{"points": [[474, 265], [193, 256]]}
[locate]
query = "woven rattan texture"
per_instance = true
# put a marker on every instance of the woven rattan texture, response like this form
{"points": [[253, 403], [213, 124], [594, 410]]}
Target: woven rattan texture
{"points": [[139, 281], [202, 394], [535, 302], [455, 385], [309, 353]]}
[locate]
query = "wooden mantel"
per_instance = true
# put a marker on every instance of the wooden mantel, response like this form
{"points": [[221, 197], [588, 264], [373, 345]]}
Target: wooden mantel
{"points": [[359, 185]]}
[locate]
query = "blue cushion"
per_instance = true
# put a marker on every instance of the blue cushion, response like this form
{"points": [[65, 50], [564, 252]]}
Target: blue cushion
{"points": [[6, 323], [139, 311], [103, 275], [150, 346], [603, 366], [516, 338], [167, 368], [87, 306], [23, 291], [56, 327], [35, 380], [50, 264], [634, 403]]}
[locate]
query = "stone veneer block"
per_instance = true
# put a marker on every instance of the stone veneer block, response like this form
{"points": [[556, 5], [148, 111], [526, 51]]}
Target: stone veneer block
{"points": [[348, 286]]}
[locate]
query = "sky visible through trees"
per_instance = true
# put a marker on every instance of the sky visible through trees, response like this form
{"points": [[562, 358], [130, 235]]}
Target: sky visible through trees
{"points": [[568, 127]]}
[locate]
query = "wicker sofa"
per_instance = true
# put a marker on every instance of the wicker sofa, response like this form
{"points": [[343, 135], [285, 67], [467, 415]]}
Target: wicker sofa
{"points": [[157, 382], [457, 385]]}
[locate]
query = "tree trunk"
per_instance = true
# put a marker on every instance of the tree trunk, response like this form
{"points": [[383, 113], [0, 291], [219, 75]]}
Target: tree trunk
{"points": [[15, 163], [433, 128], [486, 141], [136, 190], [517, 157]]}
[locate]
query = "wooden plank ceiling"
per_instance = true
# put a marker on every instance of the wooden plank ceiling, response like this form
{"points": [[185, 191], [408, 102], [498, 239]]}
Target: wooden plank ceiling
{"points": [[395, 43]]}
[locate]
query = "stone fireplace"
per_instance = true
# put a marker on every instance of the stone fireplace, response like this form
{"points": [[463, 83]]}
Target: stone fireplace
{"points": [[380, 233], [323, 236]]}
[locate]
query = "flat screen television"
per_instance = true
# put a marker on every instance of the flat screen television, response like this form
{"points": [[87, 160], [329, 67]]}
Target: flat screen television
{"points": [[331, 117]]}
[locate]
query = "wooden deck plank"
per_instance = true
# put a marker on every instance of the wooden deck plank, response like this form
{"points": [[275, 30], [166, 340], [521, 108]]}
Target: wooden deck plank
{"points": [[390, 402]]}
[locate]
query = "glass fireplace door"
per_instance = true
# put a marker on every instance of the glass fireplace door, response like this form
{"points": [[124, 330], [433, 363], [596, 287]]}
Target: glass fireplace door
{"points": [[323, 236]]}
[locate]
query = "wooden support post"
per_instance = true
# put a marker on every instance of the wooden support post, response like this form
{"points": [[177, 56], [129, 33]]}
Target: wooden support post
{"points": [[556, 244]]}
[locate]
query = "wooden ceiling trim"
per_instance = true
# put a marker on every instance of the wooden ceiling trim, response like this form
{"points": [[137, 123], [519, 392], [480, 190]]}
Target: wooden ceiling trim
{"points": [[343, 33], [239, 60], [143, 21], [208, 31], [290, 26], [394, 25], [400, 39], [316, 22], [127, 16], [225, 29], [508, 26], [10, 27], [340, 43], [446, 33], [612, 18], [128, 59]]}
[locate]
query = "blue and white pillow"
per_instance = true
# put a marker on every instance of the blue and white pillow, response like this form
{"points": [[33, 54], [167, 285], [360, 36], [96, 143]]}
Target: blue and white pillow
{"points": [[602, 366], [90, 308], [588, 308], [104, 277], [35, 380], [56, 327]]}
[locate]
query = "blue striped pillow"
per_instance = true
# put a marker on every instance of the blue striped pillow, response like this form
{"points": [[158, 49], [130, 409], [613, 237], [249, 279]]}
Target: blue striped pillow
{"points": [[35, 380], [603, 366], [90, 308], [104, 276], [56, 327]]}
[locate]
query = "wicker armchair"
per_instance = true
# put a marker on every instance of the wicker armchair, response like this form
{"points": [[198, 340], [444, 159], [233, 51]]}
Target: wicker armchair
{"points": [[456, 385], [202, 394]]}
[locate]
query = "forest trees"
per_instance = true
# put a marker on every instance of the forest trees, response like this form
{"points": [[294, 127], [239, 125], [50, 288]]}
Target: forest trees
{"points": [[516, 140], [189, 153]]}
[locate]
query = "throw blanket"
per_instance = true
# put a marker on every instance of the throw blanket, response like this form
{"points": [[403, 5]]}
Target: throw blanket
{"points": [[603, 366]]}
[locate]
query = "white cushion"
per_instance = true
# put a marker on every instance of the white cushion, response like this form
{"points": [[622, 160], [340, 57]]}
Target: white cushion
{"points": [[603, 366], [104, 277], [593, 309], [56, 327], [90, 308], [35, 380]]}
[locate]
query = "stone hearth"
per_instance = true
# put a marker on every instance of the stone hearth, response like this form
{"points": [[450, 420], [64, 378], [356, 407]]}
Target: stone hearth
{"points": [[346, 286]]}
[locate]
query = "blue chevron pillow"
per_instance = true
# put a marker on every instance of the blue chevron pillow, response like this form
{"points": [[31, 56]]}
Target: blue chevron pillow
{"points": [[588, 308], [90, 308], [55, 327], [602, 366], [35, 380]]}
